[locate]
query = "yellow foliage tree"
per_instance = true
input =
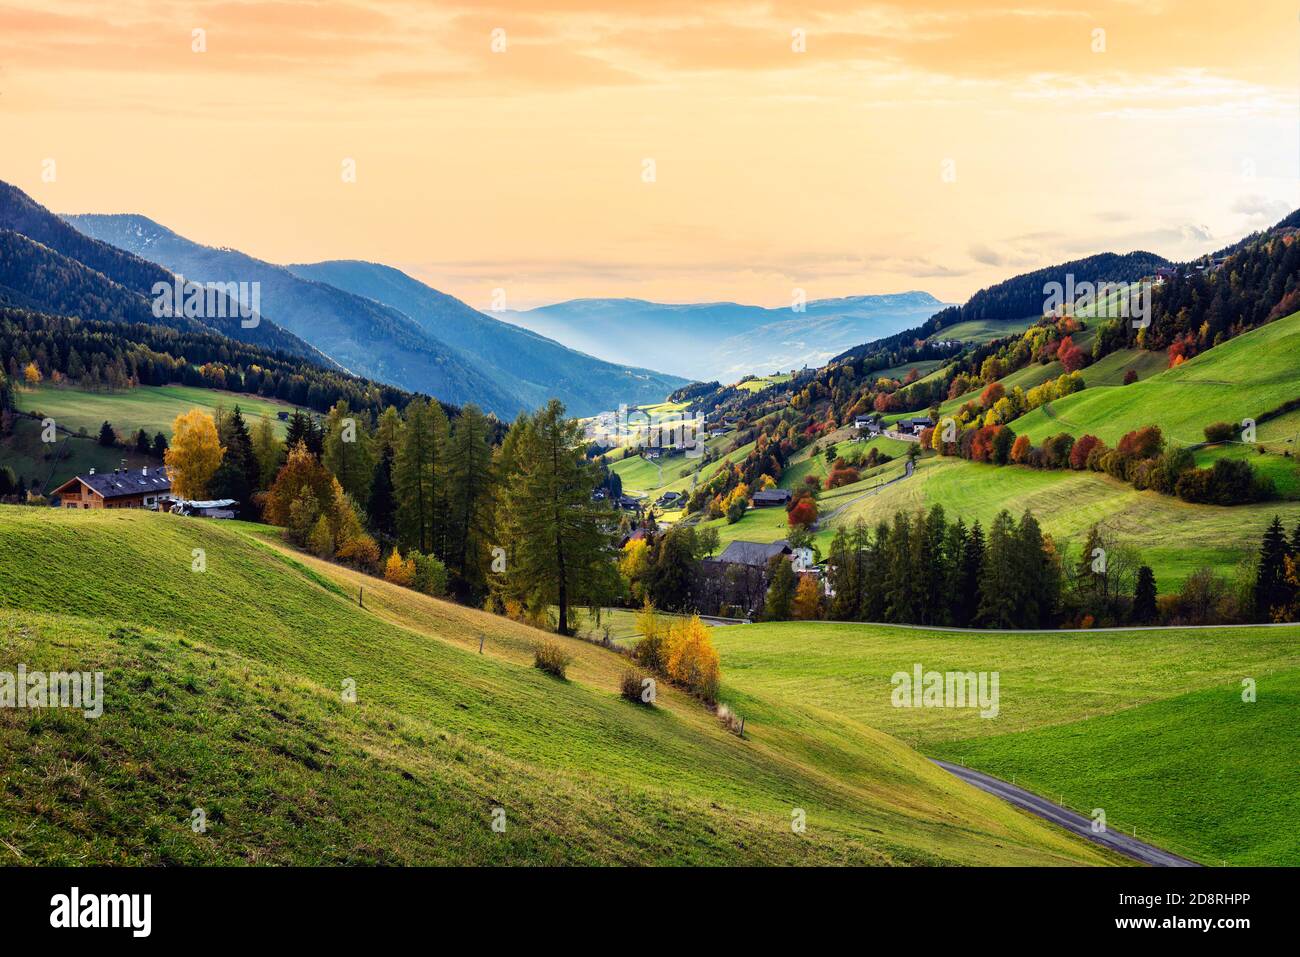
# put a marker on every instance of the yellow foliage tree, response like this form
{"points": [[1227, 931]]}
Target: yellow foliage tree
{"points": [[692, 660], [633, 565], [32, 374], [807, 599], [651, 651], [397, 571], [194, 454]]}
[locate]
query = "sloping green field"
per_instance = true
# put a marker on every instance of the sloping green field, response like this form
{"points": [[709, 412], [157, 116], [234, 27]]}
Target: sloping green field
{"points": [[152, 408], [229, 698], [1149, 725], [1243, 378], [1174, 537]]}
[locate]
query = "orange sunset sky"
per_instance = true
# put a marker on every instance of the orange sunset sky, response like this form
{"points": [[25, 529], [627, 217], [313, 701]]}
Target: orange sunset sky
{"points": [[1175, 130]]}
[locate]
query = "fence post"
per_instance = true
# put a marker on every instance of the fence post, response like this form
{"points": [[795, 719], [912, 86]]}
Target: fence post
{"points": [[742, 726], [480, 643], [361, 594]]}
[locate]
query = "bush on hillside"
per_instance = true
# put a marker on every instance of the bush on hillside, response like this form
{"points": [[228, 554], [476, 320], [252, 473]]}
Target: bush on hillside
{"points": [[550, 656], [1220, 432], [633, 687]]}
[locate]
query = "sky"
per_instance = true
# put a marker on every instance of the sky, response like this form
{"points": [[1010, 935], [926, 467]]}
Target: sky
{"points": [[520, 153]]}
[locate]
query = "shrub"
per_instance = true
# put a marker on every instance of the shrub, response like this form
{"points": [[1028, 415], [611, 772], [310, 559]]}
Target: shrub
{"points": [[652, 650], [1220, 432], [550, 656], [632, 686], [361, 550], [1080, 451], [1130, 377]]}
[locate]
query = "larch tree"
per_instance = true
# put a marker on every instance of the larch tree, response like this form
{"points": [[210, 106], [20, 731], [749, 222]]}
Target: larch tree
{"points": [[419, 469], [346, 450], [563, 547], [194, 455], [469, 497]]}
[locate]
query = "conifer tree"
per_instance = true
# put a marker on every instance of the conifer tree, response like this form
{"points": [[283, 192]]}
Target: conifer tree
{"points": [[1271, 589], [562, 542]]}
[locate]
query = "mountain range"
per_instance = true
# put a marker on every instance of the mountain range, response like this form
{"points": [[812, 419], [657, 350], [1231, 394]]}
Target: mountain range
{"points": [[355, 313], [47, 265], [725, 340]]}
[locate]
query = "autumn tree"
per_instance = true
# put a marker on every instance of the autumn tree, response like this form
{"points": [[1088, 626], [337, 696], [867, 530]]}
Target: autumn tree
{"points": [[692, 660], [807, 599], [194, 455], [302, 477], [268, 450]]}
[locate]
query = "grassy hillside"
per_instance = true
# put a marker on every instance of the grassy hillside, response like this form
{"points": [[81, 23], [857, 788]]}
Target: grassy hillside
{"points": [[228, 698], [984, 330], [1148, 725], [152, 408], [1068, 503], [1243, 378]]}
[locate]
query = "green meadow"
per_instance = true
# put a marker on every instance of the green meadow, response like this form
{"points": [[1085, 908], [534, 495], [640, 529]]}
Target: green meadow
{"points": [[1148, 725], [225, 691], [1242, 378], [152, 408], [1174, 537]]}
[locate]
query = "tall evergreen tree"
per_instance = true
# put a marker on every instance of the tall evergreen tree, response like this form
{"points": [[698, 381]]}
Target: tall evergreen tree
{"points": [[1271, 588], [972, 573], [234, 436], [999, 589], [346, 450], [1039, 578], [779, 603], [418, 475], [843, 570], [900, 600], [107, 437], [382, 505], [303, 428], [469, 498], [563, 545], [1144, 596]]}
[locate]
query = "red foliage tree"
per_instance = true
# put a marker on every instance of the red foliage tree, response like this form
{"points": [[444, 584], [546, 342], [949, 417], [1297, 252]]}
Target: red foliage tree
{"points": [[1142, 443], [804, 512], [846, 475], [1081, 450], [1071, 356], [981, 446], [1020, 449], [991, 394]]}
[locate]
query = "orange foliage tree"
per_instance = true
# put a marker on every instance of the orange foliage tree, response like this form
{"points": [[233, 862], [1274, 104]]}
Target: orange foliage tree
{"points": [[692, 660]]}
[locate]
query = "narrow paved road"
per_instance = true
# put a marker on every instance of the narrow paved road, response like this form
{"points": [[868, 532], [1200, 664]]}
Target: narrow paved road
{"points": [[1072, 821], [908, 469]]}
